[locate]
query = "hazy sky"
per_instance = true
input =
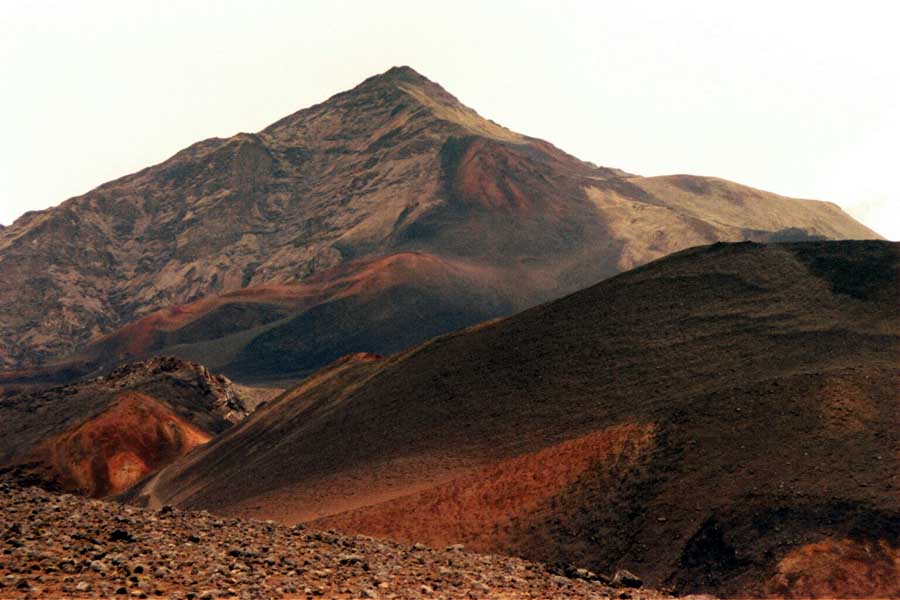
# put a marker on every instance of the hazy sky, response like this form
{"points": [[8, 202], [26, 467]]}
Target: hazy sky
{"points": [[799, 98]]}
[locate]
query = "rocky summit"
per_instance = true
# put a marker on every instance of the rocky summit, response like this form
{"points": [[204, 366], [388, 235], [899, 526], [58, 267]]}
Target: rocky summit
{"points": [[384, 216], [66, 546]]}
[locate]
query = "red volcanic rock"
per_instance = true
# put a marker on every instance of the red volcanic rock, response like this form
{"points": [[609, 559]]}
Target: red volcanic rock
{"points": [[833, 567], [100, 436], [112, 451]]}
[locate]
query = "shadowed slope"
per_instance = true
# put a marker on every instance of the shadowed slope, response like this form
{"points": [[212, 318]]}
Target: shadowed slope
{"points": [[769, 373], [396, 167]]}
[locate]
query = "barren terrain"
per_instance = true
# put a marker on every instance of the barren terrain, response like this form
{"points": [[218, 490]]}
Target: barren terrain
{"points": [[66, 546], [711, 420]]}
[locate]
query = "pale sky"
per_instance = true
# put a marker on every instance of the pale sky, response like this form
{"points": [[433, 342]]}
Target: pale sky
{"points": [[798, 98]]}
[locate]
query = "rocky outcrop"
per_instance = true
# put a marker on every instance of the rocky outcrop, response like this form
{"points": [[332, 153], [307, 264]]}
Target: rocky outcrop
{"points": [[212, 393], [100, 436]]}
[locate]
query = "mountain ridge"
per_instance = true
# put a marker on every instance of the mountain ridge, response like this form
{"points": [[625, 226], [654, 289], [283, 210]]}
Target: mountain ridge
{"points": [[394, 165]]}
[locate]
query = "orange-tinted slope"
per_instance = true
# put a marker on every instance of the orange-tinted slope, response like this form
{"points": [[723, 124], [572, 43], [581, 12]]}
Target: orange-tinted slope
{"points": [[769, 372], [112, 451], [357, 278], [835, 568], [500, 506], [99, 436]]}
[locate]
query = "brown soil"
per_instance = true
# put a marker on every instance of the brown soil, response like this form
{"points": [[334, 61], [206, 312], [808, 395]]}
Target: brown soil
{"points": [[743, 358], [831, 568]]}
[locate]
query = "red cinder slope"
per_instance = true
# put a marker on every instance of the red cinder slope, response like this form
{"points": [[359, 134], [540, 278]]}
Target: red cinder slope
{"points": [[507, 506], [100, 436], [288, 330], [112, 451]]}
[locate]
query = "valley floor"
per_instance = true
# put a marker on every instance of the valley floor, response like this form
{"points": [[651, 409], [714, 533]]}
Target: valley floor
{"points": [[66, 546]]}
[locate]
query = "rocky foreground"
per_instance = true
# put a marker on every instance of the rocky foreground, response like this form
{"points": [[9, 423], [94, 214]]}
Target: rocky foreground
{"points": [[67, 546]]}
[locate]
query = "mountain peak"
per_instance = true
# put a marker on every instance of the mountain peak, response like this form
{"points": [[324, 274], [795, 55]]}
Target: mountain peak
{"points": [[403, 72], [412, 83], [398, 75], [374, 91], [395, 164], [432, 96]]}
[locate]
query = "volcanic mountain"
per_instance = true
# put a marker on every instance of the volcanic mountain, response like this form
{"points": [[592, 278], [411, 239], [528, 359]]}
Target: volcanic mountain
{"points": [[100, 436], [384, 216], [721, 420]]}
